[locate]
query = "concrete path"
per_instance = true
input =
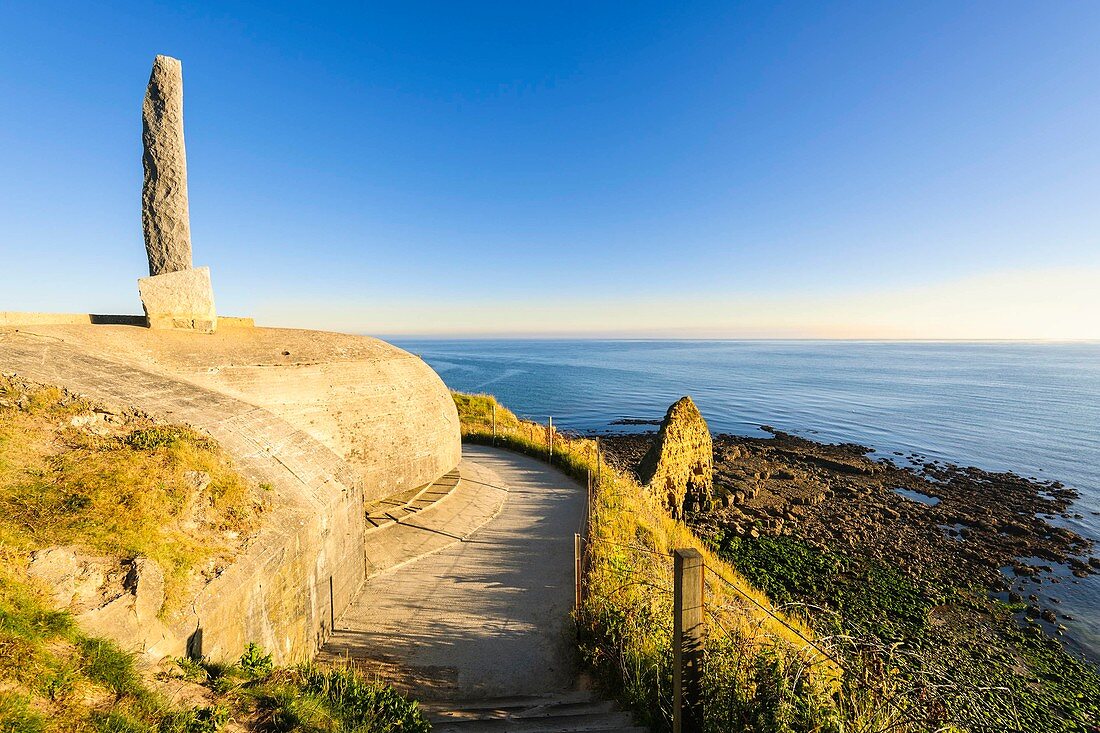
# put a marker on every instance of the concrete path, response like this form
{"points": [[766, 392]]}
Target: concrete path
{"points": [[487, 615], [473, 503]]}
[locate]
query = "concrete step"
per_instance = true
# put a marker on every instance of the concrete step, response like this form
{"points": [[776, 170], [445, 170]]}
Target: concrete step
{"points": [[596, 707], [575, 712], [387, 512], [567, 724], [510, 703]]}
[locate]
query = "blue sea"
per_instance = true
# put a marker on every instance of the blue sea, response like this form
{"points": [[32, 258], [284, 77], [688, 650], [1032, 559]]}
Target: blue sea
{"points": [[1028, 407]]}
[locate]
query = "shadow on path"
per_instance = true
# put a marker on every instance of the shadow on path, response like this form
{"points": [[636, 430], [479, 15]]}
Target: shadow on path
{"points": [[487, 616]]}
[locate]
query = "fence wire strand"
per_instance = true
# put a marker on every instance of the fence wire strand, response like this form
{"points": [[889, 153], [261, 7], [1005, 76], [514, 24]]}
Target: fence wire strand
{"points": [[607, 490]]}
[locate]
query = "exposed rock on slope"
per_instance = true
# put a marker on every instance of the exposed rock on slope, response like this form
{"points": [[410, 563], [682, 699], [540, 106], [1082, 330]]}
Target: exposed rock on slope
{"points": [[679, 465], [109, 597]]}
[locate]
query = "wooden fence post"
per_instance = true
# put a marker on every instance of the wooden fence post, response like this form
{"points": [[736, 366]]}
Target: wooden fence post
{"points": [[688, 632], [331, 608], [494, 423], [599, 462], [588, 503], [578, 573], [550, 438]]}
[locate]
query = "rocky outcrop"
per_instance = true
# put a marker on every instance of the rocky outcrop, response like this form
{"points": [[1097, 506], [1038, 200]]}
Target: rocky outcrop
{"points": [[680, 464], [164, 214], [117, 599]]}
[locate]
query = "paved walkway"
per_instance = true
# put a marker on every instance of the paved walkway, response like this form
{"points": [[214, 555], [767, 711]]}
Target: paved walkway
{"points": [[487, 613]]}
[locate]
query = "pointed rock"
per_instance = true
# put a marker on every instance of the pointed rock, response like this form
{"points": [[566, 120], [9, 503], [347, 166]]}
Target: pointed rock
{"points": [[680, 464]]}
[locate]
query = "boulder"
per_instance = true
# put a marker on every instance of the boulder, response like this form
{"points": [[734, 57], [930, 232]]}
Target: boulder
{"points": [[116, 599], [679, 466], [67, 577], [145, 581]]}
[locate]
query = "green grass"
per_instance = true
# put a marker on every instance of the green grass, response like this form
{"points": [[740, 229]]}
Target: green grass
{"points": [[55, 678], [872, 598], [306, 698], [16, 715], [986, 668]]}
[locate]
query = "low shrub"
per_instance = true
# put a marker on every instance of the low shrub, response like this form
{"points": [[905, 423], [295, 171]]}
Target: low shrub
{"points": [[306, 699], [360, 704], [255, 663]]}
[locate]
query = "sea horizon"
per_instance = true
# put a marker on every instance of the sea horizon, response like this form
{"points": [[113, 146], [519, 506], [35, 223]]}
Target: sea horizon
{"points": [[421, 337]]}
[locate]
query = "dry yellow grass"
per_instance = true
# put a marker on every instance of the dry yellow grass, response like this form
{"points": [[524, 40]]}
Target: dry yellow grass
{"points": [[120, 488]]}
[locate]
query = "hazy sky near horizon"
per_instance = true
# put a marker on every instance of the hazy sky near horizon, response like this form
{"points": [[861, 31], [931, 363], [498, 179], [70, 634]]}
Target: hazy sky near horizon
{"points": [[889, 170]]}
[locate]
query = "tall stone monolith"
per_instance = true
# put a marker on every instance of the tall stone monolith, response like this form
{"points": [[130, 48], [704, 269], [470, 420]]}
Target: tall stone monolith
{"points": [[164, 215], [175, 295]]}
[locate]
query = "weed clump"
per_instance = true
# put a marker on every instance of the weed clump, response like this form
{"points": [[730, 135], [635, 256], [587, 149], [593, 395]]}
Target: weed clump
{"points": [[306, 698], [254, 663], [167, 436]]}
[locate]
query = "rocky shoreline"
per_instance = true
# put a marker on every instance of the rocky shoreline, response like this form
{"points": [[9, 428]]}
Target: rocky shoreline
{"points": [[948, 524]]}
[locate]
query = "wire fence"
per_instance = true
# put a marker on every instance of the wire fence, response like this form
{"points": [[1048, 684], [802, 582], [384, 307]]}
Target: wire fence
{"points": [[756, 679]]}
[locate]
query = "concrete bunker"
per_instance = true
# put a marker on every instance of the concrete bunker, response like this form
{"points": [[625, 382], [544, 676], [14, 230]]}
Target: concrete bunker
{"points": [[327, 421]]}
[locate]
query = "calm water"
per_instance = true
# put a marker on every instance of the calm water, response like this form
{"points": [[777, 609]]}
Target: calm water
{"points": [[1032, 408]]}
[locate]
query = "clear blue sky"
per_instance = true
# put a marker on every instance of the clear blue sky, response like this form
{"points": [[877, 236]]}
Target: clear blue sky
{"points": [[877, 168]]}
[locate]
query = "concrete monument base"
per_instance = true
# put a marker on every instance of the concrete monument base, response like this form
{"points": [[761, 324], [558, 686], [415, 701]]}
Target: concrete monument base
{"points": [[179, 300]]}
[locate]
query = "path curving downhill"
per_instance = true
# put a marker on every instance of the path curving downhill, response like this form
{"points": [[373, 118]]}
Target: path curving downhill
{"points": [[486, 615]]}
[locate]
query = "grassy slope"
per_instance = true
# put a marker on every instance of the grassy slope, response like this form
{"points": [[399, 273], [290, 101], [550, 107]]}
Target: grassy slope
{"points": [[125, 489]]}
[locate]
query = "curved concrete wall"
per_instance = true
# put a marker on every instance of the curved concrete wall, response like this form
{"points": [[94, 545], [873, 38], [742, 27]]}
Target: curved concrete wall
{"points": [[327, 420], [391, 419], [302, 568]]}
